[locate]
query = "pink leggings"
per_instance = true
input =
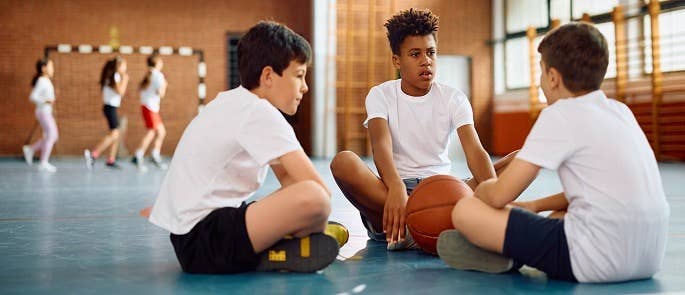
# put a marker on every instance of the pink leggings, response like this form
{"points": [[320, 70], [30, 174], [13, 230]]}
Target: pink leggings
{"points": [[47, 122]]}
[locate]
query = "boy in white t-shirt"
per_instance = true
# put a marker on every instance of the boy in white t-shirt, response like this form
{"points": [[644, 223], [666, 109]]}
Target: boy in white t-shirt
{"points": [[612, 216], [222, 159], [410, 121]]}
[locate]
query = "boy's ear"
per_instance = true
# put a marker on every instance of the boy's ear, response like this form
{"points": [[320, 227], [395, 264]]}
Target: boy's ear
{"points": [[396, 61], [555, 79], [266, 78]]}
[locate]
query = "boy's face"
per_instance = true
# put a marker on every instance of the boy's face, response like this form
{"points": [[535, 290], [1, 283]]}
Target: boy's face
{"points": [[417, 63], [287, 89]]}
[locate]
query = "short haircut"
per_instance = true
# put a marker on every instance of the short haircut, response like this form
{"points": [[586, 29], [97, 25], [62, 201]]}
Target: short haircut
{"points": [[269, 44], [410, 22], [578, 51]]}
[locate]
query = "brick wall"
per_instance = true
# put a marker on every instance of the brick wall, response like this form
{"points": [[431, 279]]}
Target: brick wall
{"points": [[26, 27]]}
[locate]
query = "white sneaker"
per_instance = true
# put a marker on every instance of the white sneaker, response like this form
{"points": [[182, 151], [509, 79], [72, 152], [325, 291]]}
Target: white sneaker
{"points": [[47, 167], [159, 163], [89, 159], [28, 154]]}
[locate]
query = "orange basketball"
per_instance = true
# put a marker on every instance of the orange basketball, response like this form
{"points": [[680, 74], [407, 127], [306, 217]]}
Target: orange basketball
{"points": [[429, 208]]}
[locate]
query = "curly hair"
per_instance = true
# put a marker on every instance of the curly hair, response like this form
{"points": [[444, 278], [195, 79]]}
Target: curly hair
{"points": [[412, 22]]}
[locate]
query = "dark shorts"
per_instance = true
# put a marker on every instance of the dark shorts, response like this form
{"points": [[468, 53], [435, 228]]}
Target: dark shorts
{"points": [[217, 244], [539, 242], [111, 115]]}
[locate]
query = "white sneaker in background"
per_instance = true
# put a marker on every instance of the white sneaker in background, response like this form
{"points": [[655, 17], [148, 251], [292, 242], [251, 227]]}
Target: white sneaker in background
{"points": [[47, 167], [89, 159], [28, 154]]}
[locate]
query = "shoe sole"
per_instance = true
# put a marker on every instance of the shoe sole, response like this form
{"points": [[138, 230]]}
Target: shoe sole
{"points": [[307, 254], [455, 250]]}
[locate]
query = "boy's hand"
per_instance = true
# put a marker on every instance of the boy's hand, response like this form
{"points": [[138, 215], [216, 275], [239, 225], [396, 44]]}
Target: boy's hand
{"points": [[394, 214], [530, 206]]}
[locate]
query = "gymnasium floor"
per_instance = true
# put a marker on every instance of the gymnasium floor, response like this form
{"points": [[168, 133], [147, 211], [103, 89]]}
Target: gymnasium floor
{"points": [[79, 232]]}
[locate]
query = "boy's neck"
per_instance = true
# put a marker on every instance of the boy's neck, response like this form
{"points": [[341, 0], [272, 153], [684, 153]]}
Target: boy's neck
{"points": [[259, 92], [413, 91]]}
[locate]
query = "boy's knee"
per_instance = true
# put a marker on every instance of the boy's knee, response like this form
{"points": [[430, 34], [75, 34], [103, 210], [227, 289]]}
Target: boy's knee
{"points": [[115, 134], [314, 200], [341, 162], [461, 212]]}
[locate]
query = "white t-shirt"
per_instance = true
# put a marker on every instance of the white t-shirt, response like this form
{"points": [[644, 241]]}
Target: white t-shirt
{"points": [[109, 95], [149, 96], [42, 93], [221, 159], [617, 219], [420, 127]]}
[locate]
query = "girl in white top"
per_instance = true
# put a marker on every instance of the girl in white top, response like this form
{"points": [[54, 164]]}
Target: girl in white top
{"points": [[153, 88], [113, 82], [43, 95]]}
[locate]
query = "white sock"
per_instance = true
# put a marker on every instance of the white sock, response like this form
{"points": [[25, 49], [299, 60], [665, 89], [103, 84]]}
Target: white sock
{"points": [[140, 153], [156, 155]]}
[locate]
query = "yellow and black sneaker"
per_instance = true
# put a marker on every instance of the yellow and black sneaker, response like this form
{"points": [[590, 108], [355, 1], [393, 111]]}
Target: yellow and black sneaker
{"points": [[337, 231], [308, 254]]}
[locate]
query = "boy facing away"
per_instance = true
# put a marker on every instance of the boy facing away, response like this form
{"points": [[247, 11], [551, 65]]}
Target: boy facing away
{"points": [[410, 121], [222, 159], [612, 214]]}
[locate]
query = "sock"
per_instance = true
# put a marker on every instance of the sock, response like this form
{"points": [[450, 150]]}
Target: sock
{"points": [[94, 154], [110, 160], [156, 155], [140, 153]]}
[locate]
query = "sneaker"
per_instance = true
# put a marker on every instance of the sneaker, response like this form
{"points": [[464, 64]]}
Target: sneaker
{"points": [[138, 161], [159, 163], [90, 161], [46, 167], [455, 250], [337, 231], [407, 244], [373, 235], [307, 254], [28, 154], [113, 165]]}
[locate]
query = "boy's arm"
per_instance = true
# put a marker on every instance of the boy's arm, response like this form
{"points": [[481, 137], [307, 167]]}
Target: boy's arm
{"points": [[121, 86], [498, 192], [294, 167], [394, 209], [552, 203], [476, 157]]}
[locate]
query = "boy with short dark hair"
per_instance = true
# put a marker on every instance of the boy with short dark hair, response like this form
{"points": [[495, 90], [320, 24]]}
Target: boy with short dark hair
{"points": [[222, 158], [612, 215]]}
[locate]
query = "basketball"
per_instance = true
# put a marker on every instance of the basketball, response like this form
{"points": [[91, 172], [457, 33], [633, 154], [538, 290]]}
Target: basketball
{"points": [[430, 206]]}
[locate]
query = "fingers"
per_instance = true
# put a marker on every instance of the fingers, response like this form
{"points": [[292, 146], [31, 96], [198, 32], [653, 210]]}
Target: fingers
{"points": [[395, 225], [401, 225], [385, 219]]}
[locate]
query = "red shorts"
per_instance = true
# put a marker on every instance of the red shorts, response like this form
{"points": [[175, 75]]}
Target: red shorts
{"points": [[152, 119]]}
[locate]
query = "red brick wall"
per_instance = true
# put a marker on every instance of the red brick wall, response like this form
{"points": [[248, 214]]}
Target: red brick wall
{"points": [[26, 27]]}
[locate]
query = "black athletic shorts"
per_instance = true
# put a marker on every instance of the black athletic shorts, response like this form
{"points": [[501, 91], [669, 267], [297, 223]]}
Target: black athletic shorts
{"points": [[217, 244], [539, 242], [111, 115]]}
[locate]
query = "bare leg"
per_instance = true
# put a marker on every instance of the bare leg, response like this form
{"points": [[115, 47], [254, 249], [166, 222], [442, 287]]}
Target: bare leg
{"points": [[161, 133], [299, 209], [146, 140], [106, 141], [360, 186], [557, 214], [481, 224]]}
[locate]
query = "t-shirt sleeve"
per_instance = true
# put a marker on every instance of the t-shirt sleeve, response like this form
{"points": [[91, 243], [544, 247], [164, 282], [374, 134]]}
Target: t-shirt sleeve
{"points": [[376, 106], [41, 91], [117, 78], [157, 80], [462, 113], [266, 135], [549, 142]]}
